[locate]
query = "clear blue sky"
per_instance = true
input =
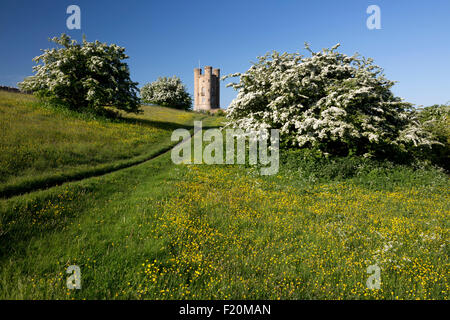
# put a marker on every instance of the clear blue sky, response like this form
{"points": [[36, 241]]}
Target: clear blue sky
{"points": [[166, 37]]}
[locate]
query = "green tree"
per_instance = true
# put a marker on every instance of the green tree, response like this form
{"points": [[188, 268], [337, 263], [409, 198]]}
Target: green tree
{"points": [[88, 76]]}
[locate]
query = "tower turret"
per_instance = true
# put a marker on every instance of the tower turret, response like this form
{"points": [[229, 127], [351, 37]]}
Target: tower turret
{"points": [[206, 89], [197, 74], [216, 73]]}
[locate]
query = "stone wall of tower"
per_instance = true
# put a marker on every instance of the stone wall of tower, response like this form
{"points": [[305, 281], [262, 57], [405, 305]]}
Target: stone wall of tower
{"points": [[206, 89], [216, 82]]}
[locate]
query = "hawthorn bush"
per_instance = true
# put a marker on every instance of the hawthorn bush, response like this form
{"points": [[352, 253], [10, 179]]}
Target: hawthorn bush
{"points": [[168, 92], [436, 120], [337, 104], [84, 77]]}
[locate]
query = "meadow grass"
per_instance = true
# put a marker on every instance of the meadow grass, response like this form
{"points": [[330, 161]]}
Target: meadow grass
{"points": [[41, 146], [160, 231]]}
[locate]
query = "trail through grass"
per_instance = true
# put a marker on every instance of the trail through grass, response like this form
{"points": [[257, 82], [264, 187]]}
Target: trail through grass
{"points": [[41, 147]]}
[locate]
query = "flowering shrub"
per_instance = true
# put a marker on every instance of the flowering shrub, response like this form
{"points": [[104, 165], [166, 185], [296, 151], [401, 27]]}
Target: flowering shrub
{"points": [[436, 120], [88, 76], [336, 103], [169, 92]]}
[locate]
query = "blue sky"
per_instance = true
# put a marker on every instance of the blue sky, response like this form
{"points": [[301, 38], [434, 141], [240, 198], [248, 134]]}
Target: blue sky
{"points": [[165, 38]]}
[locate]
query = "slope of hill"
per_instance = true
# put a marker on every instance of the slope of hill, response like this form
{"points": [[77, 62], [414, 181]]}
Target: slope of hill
{"points": [[40, 147]]}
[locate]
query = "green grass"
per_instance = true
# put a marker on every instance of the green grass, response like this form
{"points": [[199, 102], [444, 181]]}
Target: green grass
{"points": [[161, 231], [43, 146]]}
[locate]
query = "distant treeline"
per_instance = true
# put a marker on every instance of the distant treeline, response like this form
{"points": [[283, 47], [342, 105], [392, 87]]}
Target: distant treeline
{"points": [[12, 89]]}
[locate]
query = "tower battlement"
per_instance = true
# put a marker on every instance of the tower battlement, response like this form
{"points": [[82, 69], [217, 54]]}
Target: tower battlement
{"points": [[206, 89]]}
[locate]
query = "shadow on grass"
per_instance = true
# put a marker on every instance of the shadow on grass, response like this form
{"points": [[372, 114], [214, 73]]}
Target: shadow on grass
{"points": [[52, 180], [35, 184], [169, 126]]}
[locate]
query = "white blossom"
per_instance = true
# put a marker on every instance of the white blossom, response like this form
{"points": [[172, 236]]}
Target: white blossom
{"points": [[323, 99], [169, 92]]}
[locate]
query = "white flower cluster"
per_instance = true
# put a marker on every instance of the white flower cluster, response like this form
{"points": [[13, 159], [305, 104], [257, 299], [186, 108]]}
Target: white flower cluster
{"points": [[165, 91], [324, 100], [88, 75]]}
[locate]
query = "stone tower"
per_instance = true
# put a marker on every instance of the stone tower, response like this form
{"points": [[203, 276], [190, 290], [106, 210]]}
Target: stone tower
{"points": [[206, 89]]}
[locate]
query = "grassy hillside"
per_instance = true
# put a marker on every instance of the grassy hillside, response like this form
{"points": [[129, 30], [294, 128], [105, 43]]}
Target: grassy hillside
{"points": [[41, 146], [161, 231]]}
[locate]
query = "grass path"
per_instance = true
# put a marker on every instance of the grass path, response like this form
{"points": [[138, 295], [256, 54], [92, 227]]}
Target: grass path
{"points": [[50, 180], [91, 233], [43, 147]]}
